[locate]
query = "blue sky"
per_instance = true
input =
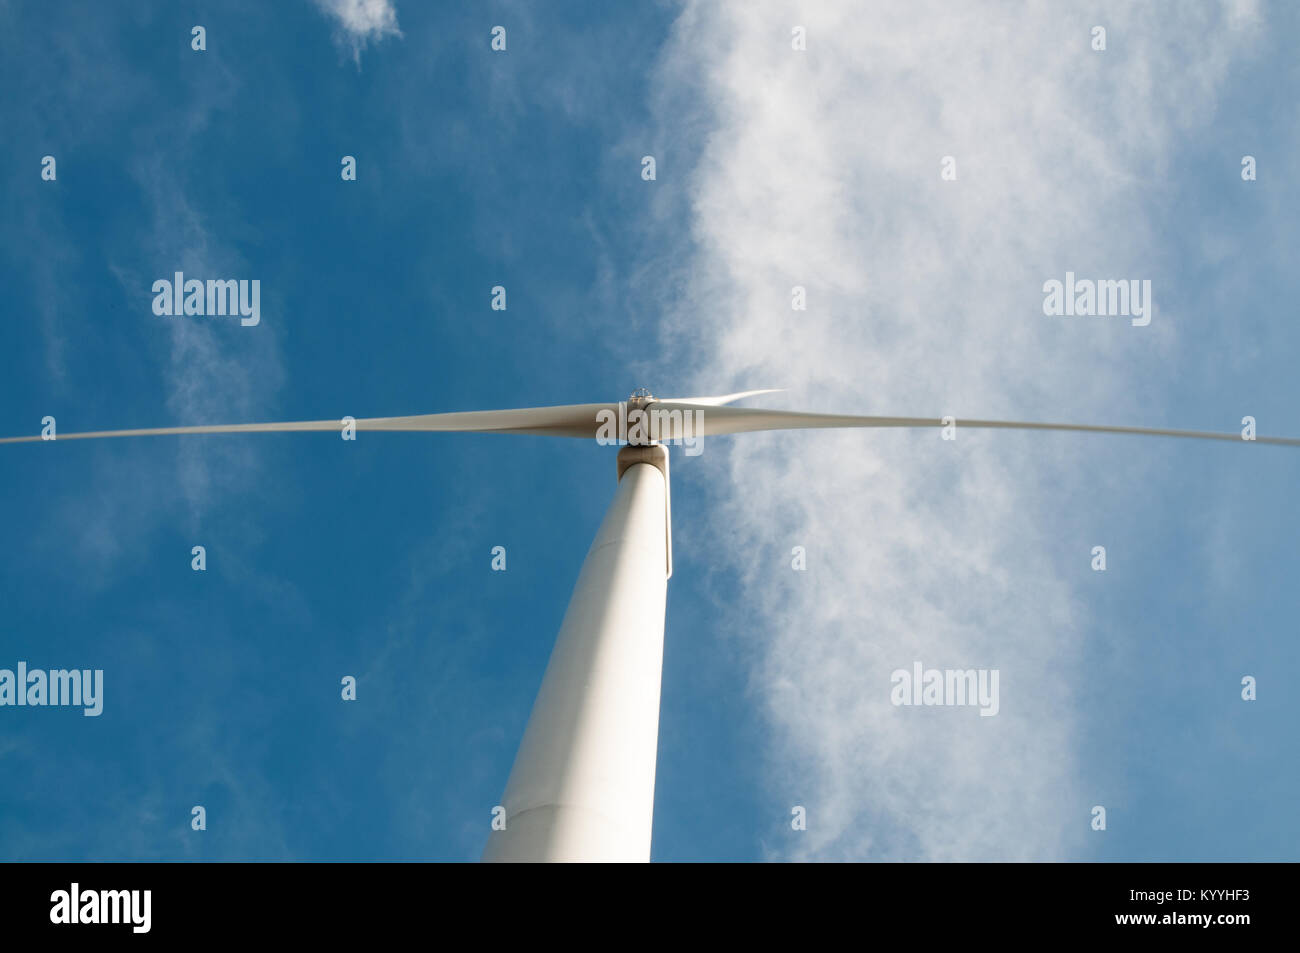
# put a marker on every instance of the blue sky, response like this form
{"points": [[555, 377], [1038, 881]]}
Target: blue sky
{"points": [[775, 168]]}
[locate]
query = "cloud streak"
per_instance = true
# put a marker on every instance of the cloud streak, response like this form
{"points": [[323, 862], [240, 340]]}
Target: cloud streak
{"points": [[821, 168]]}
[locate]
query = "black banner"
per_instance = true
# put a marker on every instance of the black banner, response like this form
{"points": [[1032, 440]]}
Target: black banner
{"points": [[140, 902]]}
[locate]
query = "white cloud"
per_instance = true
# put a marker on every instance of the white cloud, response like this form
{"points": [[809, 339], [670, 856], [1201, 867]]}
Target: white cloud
{"points": [[361, 21], [822, 168]]}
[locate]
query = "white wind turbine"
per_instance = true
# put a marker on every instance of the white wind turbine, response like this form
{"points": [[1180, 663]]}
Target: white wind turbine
{"points": [[582, 785]]}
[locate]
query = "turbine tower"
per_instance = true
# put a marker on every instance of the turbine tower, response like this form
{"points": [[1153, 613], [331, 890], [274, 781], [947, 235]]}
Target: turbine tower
{"points": [[583, 782], [582, 785]]}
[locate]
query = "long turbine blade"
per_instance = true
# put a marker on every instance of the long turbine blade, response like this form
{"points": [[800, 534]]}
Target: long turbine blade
{"points": [[583, 421], [572, 420], [719, 401], [716, 421]]}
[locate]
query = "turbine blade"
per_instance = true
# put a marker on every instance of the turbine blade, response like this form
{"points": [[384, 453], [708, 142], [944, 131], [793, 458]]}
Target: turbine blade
{"points": [[582, 421], [719, 401], [571, 420], [717, 421]]}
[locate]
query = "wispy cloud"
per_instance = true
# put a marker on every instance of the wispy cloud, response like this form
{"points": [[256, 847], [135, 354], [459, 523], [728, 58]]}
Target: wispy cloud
{"points": [[822, 168], [215, 371], [361, 22]]}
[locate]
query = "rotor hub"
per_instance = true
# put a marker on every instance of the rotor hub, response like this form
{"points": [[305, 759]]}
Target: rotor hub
{"points": [[640, 397]]}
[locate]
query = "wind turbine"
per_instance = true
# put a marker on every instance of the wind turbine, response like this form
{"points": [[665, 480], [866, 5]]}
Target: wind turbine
{"points": [[582, 785]]}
